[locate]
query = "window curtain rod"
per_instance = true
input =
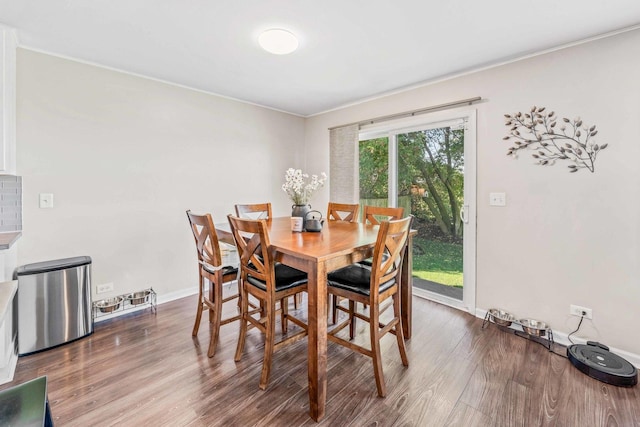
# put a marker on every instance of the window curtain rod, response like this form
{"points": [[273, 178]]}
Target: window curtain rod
{"points": [[412, 113]]}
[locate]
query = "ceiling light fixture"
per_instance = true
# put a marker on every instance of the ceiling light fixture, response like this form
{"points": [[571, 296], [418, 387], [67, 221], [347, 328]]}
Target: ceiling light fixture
{"points": [[278, 41]]}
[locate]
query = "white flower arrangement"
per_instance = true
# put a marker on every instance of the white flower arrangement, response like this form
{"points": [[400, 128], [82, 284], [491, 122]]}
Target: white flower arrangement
{"points": [[296, 187]]}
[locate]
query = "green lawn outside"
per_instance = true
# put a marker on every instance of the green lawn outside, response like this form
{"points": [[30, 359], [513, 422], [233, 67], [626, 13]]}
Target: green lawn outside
{"points": [[437, 261]]}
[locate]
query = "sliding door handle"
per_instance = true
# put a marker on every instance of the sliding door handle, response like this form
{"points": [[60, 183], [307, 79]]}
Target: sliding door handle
{"points": [[464, 216]]}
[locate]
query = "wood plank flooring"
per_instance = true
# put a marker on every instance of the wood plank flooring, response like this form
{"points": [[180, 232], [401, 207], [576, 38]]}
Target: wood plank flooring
{"points": [[144, 369]]}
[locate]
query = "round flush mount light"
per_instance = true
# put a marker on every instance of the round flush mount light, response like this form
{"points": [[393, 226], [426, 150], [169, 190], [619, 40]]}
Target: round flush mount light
{"points": [[278, 41]]}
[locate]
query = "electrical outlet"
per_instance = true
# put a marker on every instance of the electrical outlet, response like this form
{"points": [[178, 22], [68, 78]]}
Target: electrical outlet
{"points": [[105, 287], [576, 310]]}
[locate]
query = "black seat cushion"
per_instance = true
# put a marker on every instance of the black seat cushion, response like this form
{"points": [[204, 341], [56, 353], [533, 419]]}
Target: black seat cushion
{"points": [[286, 278], [355, 278], [369, 261], [226, 270], [366, 262]]}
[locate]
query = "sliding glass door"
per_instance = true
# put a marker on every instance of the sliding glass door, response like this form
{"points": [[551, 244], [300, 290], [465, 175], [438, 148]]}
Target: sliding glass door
{"points": [[428, 168]]}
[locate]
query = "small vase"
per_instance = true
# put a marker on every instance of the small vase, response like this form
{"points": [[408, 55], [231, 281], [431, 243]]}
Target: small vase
{"points": [[300, 210]]}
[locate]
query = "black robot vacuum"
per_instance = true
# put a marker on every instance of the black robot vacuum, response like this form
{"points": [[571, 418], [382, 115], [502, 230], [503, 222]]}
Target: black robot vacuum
{"points": [[595, 360]]}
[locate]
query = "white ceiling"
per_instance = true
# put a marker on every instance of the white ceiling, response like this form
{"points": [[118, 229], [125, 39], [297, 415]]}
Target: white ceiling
{"points": [[349, 50]]}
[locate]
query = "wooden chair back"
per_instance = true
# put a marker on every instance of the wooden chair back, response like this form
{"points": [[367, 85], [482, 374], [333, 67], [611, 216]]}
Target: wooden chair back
{"points": [[254, 211], [343, 212], [204, 234], [372, 214], [252, 241], [388, 253]]}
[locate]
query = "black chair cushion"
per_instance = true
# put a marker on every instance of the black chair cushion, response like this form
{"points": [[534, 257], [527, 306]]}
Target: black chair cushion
{"points": [[369, 261], [286, 278], [355, 278], [226, 270]]}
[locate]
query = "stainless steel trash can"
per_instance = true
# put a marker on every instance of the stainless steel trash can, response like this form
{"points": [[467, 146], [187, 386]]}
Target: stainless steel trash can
{"points": [[54, 303]]}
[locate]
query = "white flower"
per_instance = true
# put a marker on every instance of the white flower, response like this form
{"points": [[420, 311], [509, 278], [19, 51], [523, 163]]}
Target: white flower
{"points": [[297, 189]]}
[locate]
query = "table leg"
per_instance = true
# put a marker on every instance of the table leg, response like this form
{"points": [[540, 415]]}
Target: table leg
{"points": [[406, 289], [317, 340]]}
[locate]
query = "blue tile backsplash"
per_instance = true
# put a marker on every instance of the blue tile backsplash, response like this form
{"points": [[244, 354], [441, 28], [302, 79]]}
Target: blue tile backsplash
{"points": [[10, 203]]}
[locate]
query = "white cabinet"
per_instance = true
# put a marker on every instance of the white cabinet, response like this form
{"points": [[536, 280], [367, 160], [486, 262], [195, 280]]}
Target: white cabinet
{"points": [[8, 331], [7, 99]]}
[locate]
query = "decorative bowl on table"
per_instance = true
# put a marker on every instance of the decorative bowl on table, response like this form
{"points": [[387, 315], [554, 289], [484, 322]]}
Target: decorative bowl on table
{"points": [[108, 305], [501, 317], [534, 327], [139, 297]]}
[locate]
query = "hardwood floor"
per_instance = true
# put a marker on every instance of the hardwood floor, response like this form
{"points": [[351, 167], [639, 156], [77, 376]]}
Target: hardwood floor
{"points": [[145, 369]]}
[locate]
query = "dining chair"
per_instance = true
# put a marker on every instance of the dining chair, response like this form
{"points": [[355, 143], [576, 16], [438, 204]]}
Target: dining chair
{"points": [[371, 215], [374, 285], [211, 269], [269, 282], [342, 212], [374, 214], [261, 211], [254, 211]]}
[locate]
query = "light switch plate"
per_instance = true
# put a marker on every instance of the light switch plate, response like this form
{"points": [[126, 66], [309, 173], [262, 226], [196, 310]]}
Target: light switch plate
{"points": [[497, 199], [46, 200]]}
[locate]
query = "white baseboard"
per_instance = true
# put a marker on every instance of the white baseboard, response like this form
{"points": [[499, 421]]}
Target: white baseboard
{"points": [[561, 337]]}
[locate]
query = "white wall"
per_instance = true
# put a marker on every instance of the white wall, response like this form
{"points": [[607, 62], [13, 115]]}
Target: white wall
{"points": [[562, 238], [126, 156]]}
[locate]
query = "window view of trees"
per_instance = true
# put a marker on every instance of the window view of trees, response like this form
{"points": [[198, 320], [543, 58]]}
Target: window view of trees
{"points": [[430, 186]]}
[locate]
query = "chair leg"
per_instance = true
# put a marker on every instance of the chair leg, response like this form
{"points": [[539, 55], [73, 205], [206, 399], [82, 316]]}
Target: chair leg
{"points": [[196, 326], [334, 308], [239, 284], [211, 313], [375, 349], [284, 310], [244, 296], [399, 332], [270, 329], [352, 319], [217, 316]]}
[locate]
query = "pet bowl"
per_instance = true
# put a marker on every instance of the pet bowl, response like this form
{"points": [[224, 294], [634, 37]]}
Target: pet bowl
{"points": [[109, 305], [501, 317], [139, 297], [534, 327]]}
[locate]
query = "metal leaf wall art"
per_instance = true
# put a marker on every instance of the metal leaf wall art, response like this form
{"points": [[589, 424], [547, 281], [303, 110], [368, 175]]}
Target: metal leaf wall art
{"points": [[553, 139]]}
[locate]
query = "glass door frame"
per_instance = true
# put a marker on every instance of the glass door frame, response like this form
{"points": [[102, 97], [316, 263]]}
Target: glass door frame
{"points": [[467, 118]]}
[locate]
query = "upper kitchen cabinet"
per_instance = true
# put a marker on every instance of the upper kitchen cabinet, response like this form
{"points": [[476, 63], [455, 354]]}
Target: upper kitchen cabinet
{"points": [[7, 99]]}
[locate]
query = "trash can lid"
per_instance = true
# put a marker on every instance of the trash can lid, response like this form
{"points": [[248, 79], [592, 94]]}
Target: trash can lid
{"points": [[46, 266]]}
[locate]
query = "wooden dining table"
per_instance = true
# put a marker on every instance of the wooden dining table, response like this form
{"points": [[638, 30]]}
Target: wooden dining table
{"points": [[339, 244]]}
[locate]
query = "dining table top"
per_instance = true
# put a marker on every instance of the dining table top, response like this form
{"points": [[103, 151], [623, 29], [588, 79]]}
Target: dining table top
{"points": [[335, 239]]}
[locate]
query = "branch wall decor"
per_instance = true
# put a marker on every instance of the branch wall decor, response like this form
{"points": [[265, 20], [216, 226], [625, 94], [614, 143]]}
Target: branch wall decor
{"points": [[537, 130]]}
